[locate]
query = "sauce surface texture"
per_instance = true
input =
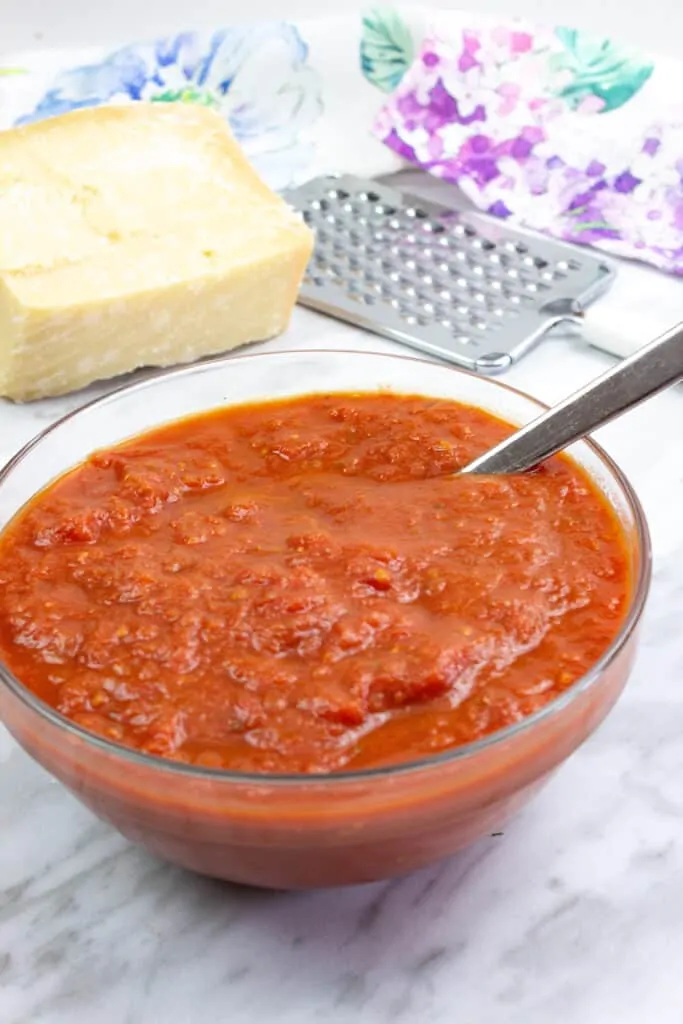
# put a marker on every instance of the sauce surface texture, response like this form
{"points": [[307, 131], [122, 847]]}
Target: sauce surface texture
{"points": [[300, 586]]}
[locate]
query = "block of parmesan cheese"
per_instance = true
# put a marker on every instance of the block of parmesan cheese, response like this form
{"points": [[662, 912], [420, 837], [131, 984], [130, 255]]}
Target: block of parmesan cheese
{"points": [[135, 236]]}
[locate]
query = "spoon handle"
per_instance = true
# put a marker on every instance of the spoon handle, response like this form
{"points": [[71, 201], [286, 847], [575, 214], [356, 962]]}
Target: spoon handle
{"points": [[652, 368]]}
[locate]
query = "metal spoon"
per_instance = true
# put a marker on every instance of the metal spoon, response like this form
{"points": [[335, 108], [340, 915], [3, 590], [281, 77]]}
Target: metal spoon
{"points": [[649, 370]]}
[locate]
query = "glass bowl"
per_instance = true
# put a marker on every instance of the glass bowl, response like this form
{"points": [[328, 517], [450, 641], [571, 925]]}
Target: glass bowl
{"points": [[295, 831]]}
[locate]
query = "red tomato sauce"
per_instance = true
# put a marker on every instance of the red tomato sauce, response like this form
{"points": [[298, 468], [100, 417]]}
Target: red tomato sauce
{"points": [[301, 586]]}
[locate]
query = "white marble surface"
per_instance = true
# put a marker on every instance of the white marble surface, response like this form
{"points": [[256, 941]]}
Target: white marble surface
{"points": [[574, 915]]}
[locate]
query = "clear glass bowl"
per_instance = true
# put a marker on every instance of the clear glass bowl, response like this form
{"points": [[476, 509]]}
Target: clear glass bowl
{"points": [[300, 831]]}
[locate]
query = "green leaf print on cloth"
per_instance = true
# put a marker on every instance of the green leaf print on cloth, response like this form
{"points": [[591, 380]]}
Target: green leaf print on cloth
{"points": [[204, 97], [612, 74], [386, 48]]}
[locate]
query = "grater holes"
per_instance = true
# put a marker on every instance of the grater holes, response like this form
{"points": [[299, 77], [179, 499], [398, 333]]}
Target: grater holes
{"points": [[384, 210], [515, 248], [441, 311], [369, 197], [405, 311], [355, 290], [564, 266], [446, 262], [431, 227]]}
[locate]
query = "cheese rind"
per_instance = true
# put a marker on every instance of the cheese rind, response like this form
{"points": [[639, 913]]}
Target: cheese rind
{"points": [[135, 236]]}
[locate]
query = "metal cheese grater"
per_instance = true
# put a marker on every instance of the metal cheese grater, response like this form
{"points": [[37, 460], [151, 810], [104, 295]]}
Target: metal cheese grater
{"points": [[452, 283]]}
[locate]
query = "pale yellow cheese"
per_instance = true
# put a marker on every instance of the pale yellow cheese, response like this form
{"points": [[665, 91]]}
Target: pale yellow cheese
{"points": [[133, 236]]}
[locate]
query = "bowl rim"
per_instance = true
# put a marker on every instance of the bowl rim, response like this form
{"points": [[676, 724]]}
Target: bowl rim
{"points": [[467, 750]]}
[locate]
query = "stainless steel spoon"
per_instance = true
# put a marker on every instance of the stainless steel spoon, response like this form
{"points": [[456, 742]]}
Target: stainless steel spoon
{"points": [[649, 370]]}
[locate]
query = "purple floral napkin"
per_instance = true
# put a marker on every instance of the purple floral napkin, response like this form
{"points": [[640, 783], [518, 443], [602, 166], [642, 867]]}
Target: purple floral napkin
{"points": [[570, 135]]}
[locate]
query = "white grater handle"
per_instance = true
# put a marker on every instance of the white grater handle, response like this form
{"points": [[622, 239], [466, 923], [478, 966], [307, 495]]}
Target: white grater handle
{"points": [[615, 332], [641, 304]]}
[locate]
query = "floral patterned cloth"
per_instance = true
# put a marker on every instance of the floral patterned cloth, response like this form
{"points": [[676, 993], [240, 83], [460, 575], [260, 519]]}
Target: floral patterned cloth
{"points": [[225, 70], [569, 135]]}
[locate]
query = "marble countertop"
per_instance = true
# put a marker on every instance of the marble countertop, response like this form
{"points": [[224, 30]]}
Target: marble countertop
{"points": [[574, 915]]}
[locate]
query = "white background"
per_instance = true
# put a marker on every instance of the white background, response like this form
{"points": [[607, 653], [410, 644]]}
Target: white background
{"points": [[652, 24]]}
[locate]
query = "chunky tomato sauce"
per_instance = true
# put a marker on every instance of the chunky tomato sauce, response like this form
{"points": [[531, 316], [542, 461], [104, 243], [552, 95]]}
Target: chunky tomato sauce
{"points": [[302, 587]]}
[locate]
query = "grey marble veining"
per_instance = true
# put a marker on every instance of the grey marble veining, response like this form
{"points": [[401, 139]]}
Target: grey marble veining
{"points": [[574, 915]]}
